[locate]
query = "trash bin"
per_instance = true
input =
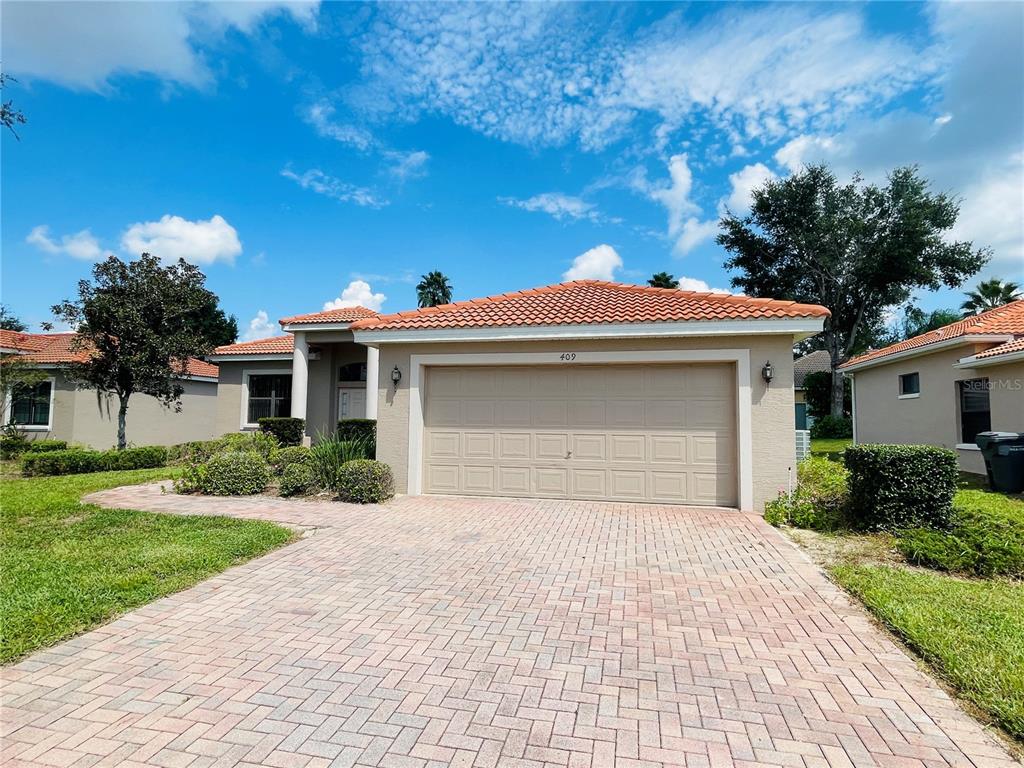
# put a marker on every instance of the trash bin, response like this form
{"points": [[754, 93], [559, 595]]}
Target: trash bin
{"points": [[1004, 459]]}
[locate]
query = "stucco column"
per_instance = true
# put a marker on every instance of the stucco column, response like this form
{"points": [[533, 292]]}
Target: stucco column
{"points": [[300, 375], [372, 374]]}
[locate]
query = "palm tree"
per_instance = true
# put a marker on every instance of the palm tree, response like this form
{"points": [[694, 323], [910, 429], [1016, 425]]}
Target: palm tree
{"points": [[990, 294], [663, 280], [434, 289]]}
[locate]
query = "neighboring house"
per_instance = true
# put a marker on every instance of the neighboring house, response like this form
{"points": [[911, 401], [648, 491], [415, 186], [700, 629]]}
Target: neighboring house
{"points": [[586, 390], [813, 362], [56, 409], [945, 386]]}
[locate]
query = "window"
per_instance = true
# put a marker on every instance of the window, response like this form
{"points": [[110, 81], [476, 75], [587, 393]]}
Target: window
{"points": [[269, 395], [30, 405], [910, 384], [352, 372], [975, 415]]}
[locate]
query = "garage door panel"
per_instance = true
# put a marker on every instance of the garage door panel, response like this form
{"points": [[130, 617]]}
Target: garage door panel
{"points": [[628, 433]]}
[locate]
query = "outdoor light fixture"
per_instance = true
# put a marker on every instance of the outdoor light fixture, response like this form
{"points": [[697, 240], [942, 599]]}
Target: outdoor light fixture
{"points": [[396, 376], [768, 373]]}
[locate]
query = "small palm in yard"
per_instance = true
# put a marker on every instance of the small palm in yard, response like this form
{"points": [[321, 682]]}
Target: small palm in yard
{"points": [[434, 289], [990, 294]]}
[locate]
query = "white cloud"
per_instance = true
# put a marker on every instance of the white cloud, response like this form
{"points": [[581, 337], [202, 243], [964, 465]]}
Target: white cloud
{"points": [[695, 232], [599, 263], [358, 294], [321, 116], [695, 284], [173, 237], [743, 183], [992, 214], [557, 205], [80, 245], [537, 73], [685, 226], [803, 150], [260, 327], [402, 165], [86, 45], [317, 181]]}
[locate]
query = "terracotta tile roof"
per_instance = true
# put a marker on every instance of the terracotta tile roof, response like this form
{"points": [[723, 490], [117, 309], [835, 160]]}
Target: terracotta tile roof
{"points": [[342, 315], [813, 362], [1001, 321], [1017, 345], [587, 302], [55, 348], [275, 345]]}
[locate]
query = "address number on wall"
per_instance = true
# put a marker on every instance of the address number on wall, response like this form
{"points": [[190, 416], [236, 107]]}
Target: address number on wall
{"points": [[567, 357]]}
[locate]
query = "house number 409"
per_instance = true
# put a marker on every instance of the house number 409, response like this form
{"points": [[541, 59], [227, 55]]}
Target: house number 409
{"points": [[567, 357]]}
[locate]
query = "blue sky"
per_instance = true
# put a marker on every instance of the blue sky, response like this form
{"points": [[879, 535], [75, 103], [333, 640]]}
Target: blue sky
{"points": [[308, 155]]}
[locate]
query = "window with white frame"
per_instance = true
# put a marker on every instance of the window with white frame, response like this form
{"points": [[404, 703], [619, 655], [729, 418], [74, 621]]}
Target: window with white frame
{"points": [[269, 395], [31, 404], [910, 384]]}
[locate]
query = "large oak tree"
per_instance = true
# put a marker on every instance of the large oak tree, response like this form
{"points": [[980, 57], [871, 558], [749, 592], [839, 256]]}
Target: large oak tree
{"points": [[140, 322], [857, 249]]}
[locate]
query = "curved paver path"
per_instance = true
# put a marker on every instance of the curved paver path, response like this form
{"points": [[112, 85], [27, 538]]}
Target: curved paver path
{"points": [[449, 631]]}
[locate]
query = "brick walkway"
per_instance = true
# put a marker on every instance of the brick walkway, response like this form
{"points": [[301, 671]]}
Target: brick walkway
{"points": [[442, 631]]}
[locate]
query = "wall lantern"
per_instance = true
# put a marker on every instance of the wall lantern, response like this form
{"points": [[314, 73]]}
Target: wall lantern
{"points": [[768, 373], [396, 376]]}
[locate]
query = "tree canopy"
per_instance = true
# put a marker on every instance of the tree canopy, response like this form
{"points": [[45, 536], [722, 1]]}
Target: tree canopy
{"points": [[989, 294], [855, 248], [138, 319], [434, 289], [10, 116], [10, 322], [663, 280]]}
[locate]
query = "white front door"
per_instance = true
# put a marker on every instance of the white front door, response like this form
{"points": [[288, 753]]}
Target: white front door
{"points": [[352, 402]]}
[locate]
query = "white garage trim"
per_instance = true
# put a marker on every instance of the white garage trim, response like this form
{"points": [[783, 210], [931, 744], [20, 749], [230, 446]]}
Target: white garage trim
{"points": [[741, 357]]}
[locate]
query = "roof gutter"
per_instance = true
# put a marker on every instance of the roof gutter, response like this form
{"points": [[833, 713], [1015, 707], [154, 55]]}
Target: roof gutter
{"points": [[799, 328], [293, 327], [983, 362], [249, 358], [927, 349]]}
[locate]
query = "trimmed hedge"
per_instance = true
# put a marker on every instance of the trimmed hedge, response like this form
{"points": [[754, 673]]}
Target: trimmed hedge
{"points": [[901, 486], [357, 429], [287, 430], [45, 446], [364, 481], [832, 427], [296, 480], [78, 461], [235, 473], [286, 457], [14, 445]]}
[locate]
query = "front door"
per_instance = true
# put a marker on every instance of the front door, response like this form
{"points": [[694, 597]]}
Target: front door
{"points": [[352, 402]]}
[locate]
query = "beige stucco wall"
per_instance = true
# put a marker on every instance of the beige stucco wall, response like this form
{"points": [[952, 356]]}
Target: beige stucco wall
{"points": [[80, 417], [322, 392], [933, 418], [772, 407]]}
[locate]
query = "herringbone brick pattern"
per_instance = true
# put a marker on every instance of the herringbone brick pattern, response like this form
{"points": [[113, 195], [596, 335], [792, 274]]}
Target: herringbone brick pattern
{"points": [[444, 631]]}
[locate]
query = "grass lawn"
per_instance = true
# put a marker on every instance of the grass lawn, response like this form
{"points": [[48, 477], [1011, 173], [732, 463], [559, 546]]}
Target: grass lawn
{"points": [[971, 631], [829, 447], [68, 566]]}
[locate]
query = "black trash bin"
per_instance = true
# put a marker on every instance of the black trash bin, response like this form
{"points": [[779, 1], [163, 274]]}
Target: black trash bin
{"points": [[1004, 459]]}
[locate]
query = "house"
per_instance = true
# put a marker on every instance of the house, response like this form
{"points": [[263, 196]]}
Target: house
{"points": [[584, 390], [56, 409], [814, 362], [945, 386]]}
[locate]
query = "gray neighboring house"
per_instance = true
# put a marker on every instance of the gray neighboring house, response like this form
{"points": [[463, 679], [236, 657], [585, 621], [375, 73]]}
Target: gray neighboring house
{"points": [[581, 390], [813, 362], [945, 386], [56, 409]]}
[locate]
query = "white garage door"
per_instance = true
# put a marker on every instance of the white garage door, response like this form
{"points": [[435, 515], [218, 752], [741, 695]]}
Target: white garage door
{"points": [[659, 433]]}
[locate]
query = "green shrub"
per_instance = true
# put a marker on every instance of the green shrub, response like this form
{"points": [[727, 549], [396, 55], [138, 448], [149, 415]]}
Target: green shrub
{"points": [[192, 478], [893, 487], [286, 430], [364, 481], [832, 427], [986, 538], [293, 454], [296, 480], [191, 452], [362, 430], [77, 461], [328, 455], [45, 446], [235, 473], [13, 444], [249, 442], [819, 501]]}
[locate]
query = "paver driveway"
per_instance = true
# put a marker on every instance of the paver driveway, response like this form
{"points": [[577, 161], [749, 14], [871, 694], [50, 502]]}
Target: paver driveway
{"points": [[446, 631]]}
